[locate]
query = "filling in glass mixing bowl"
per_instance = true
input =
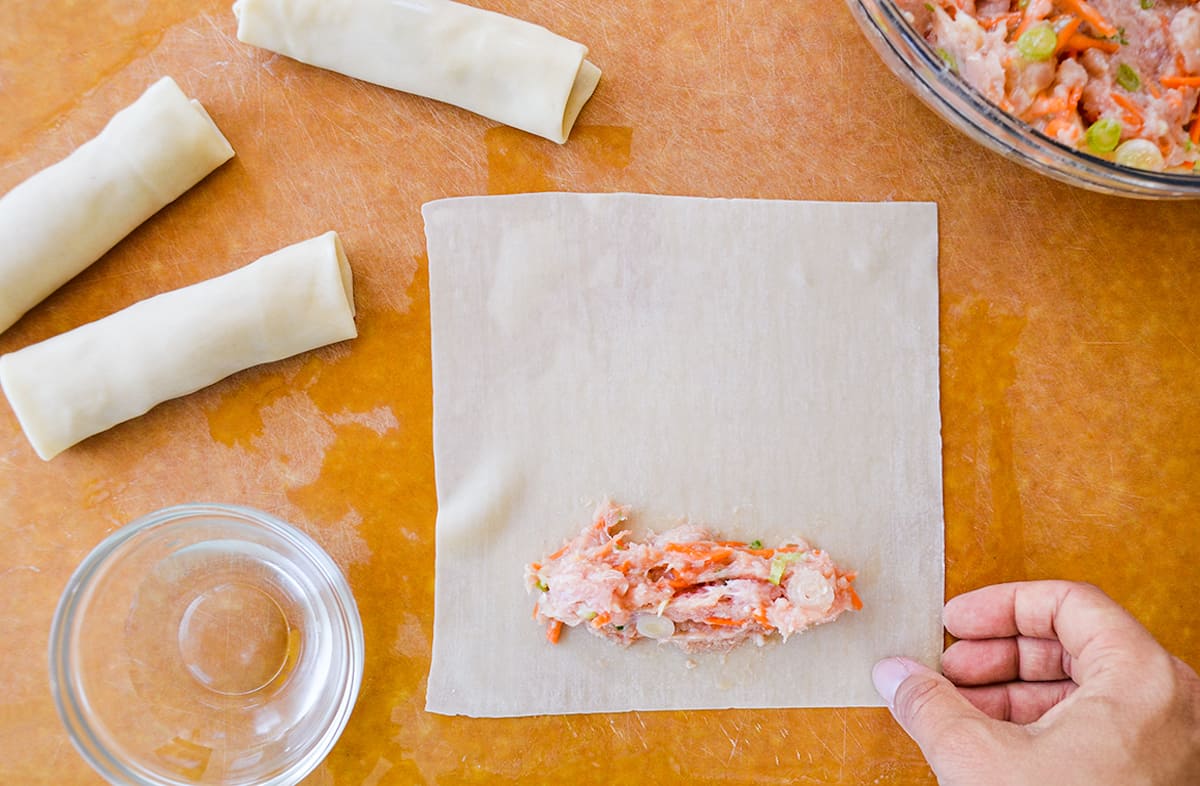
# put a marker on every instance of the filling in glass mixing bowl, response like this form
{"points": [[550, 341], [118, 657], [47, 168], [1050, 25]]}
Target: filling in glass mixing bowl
{"points": [[1118, 79]]}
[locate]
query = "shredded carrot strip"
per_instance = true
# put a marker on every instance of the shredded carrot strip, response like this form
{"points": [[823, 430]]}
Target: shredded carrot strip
{"points": [[554, 631], [1154, 91], [706, 551], [1056, 125], [1065, 34], [1060, 109], [625, 566], [1180, 81], [1132, 113], [601, 619], [854, 599], [733, 544], [687, 548], [1090, 15], [605, 550], [535, 612], [1006, 19], [1080, 42], [557, 554], [1073, 99], [721, 622], [760, 616], [1045, 106], [1027, 21], [766, 553], [1125, 103], [1195, 133]]}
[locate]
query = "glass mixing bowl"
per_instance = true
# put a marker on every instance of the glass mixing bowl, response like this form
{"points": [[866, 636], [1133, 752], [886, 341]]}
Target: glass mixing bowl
{"points": [[917, 64], [206, 644]]}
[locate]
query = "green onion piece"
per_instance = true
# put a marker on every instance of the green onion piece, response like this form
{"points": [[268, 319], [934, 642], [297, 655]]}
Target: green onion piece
{"points": [[777, 568], [1022, 4], [1038, 42], [1128, 78], [756, 544], [1140, 154], [588, 615], [1103, 135], [619, 627], [948, 59], [779, 564], [543, 586], [1147, 5]]}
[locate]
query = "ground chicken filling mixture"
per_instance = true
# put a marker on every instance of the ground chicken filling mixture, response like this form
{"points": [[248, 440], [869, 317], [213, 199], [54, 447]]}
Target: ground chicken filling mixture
{"points": [[1116, 78], [685, 587]]}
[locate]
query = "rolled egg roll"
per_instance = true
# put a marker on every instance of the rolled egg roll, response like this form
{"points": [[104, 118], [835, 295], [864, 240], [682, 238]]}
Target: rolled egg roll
{"points": [[100, 374], [506, 69], [65, 217]]}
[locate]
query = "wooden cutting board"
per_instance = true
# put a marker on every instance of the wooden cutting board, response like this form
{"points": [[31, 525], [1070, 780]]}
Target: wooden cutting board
{"points": [[1070, 350]]}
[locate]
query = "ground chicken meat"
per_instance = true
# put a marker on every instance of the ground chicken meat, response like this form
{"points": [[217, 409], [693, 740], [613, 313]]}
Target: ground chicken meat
{"points": [[684, 587]]}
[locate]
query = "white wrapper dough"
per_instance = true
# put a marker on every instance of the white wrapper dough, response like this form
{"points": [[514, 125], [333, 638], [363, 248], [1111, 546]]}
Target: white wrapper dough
{"points": [[91, 378], [65, 217], [511, 71], [767, 368]]}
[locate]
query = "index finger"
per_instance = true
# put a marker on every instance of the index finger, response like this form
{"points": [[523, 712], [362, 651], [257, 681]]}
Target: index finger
{"points": [[1090, 625]]}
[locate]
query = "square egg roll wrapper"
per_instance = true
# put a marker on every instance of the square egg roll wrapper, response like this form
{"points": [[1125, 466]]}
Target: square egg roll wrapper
{"points": [[89, 379], [767, 368], [506, 69], [65, 217]]}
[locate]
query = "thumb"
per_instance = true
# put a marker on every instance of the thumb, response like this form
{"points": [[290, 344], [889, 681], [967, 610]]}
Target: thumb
{"points": [[949, 729]]}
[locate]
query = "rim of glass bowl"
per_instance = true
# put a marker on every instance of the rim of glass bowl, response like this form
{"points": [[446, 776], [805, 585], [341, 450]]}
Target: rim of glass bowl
{"points": [[914, 60], [66, 699]]}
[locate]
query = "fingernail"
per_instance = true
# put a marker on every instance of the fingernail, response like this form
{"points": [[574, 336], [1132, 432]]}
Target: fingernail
{"points": [[887, 676]]}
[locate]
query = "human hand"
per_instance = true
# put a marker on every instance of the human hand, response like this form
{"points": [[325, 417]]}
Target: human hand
{"points": [[1051, 684]]}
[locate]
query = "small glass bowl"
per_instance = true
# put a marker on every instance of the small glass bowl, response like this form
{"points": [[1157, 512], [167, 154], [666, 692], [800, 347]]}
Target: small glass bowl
{"points": [[912, 59], [206, 644]]}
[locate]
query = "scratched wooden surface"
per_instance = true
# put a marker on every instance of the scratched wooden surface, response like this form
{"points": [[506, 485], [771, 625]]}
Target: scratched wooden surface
{"points": [[1070, 354]]}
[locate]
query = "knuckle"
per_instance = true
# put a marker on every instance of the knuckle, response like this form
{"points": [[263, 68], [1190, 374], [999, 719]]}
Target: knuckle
{"points": [[1184, 682], [920, 704], [1036, 657], [1159, 672], [915, 697], [1168, 692], [1088, 589]]}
